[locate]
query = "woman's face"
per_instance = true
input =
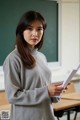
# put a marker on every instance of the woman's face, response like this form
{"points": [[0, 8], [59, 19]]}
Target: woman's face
{"points": [[33, 33]]}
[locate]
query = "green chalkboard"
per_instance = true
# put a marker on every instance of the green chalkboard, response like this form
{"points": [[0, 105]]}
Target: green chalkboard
{"points": [[10, 13]]}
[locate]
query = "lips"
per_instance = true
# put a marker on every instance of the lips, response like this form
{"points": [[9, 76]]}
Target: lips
{"points": [[34, 39]]}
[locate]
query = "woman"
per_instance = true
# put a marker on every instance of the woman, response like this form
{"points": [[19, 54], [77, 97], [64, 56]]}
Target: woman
{"points": [[27, 77]]}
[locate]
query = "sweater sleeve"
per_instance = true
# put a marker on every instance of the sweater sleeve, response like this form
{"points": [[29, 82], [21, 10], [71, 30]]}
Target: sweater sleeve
{"points": [[17, 95]]}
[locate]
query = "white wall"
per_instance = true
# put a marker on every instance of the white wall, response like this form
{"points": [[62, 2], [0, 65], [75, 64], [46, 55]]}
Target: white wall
{"points": [[69, 38]]}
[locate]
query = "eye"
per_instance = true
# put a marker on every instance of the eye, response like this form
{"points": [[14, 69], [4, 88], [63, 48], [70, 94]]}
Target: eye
{"points": [[29, 28], [39, 29]]}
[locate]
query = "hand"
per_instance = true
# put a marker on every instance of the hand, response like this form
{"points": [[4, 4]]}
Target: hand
{"points": [[55, 89], [66, 88]]}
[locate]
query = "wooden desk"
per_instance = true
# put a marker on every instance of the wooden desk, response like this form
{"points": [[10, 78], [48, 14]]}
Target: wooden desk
{"points": [[3, 99], [5, 107], [72, 96], [65, 105]]}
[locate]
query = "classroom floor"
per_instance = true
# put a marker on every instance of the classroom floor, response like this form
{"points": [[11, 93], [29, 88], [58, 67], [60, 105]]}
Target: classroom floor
{"points": [[72, 117]]}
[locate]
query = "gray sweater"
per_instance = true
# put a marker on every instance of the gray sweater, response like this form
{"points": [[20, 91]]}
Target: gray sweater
{"points": [[26, 89]]}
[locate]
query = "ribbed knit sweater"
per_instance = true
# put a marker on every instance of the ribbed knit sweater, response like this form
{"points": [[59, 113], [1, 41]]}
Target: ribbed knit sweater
{"points": [[26, 89]]}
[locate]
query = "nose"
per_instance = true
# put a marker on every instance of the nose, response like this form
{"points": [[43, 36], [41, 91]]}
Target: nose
{"points": [[34, 32]]}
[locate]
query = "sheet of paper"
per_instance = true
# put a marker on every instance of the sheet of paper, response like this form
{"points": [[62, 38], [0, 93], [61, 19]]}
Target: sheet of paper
{"points": [[70, 76]]}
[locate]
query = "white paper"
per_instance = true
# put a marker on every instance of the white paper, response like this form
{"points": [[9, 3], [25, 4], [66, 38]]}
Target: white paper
{"points": [[68, 79], [70, 76]]}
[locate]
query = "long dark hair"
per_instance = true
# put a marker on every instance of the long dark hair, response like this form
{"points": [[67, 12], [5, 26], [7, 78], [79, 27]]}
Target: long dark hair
{"points": [[22, 45]]}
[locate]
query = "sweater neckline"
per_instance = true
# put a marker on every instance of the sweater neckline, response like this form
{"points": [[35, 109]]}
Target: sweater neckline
{"points": [[33, 50]]}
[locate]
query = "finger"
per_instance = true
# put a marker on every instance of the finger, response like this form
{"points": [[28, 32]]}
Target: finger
{"points": [[59, 88], [57, 84]]}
